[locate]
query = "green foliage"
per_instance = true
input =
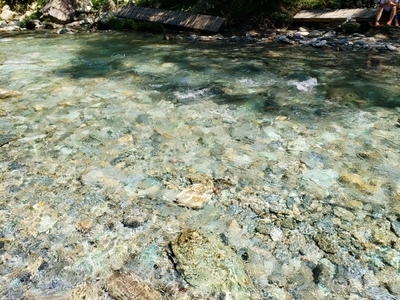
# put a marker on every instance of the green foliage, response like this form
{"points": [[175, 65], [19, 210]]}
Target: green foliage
{"points": [[22, 5], [104, 4], [28, 22], [97, 4], [41, 3], [115, 24], [148, 27]]}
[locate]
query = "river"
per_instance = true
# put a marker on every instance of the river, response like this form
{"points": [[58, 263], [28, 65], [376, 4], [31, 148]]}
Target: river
{"points": [[204, 170]]}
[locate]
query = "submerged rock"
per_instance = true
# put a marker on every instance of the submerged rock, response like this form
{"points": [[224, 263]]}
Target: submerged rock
{"points": [[327, 243], [360, 183], [8, 94], [207, 263], [6, 138], [130, 286], [196, 196]]}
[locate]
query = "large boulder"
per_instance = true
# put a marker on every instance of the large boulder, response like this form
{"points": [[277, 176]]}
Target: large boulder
{"points": [[7, 14], [63, 11]]}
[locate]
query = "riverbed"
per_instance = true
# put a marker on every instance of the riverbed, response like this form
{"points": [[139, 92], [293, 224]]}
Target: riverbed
{"points": [[133, 165]]}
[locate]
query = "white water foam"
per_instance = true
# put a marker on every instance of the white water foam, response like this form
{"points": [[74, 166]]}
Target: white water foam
{"points": [[305, 85], [192, 94]]}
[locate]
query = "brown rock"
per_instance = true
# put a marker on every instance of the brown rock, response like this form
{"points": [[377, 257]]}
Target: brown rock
{"points": [[129, 286], [359, 182], [8, 94]]}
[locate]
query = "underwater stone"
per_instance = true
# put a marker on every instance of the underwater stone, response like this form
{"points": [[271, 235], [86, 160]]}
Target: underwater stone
{"points": [[391, 257], [276, 234], [196, 196], [324, 178], [87, 291], [314, 159], [359, 182], [326, 243], [382, 236], [130, 286], [395, 225], [46, 223], [6, 138], [343, 214], [324, 271], [8, 94], [207, 263]]}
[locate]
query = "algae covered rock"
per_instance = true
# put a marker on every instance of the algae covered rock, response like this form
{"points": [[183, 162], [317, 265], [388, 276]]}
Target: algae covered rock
{"points": [[208, 264]]}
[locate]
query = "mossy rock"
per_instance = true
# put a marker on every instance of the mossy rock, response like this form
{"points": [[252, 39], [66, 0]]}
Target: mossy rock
{"points": [[207, 263]]}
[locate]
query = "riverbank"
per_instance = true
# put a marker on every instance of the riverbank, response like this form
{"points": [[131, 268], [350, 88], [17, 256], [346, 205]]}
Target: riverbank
{"points": [[349, 35], [335, 38]]}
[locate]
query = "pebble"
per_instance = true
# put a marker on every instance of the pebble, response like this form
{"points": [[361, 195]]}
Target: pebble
{"points": [[327, 243], [391, 47]]}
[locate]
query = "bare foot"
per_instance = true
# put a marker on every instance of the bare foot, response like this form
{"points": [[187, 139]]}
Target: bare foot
{"points": [[389, 24], [377, 24]]}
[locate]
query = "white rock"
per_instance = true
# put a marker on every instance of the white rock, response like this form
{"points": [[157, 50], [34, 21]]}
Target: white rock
{"points": [[195, 196], [276, 234]]}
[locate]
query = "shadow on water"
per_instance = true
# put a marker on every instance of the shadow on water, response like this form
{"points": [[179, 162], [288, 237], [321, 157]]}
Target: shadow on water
{"points": [[211, 70]]}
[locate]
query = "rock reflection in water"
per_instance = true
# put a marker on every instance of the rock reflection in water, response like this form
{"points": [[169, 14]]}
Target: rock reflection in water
{"points": [[137, 167]]}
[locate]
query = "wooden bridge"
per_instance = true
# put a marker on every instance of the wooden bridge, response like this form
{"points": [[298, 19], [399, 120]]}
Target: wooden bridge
{"points": [[188, 20], [359, 14]]}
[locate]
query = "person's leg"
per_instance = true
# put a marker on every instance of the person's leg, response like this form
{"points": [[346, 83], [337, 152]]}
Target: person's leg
{"points": [[392, 15], [378, 16], [396, 19]]}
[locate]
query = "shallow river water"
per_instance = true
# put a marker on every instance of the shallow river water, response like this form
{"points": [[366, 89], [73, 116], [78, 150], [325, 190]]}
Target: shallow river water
{"points": [[139, 168]]}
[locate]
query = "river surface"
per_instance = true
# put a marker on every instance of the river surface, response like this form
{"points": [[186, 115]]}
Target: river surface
{"points": [[209, 170]]}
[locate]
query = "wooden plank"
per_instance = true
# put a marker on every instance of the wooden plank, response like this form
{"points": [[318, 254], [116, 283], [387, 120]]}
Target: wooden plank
{"points": [[182, 19], [212, 23], [163, 16], [195, 21], [134, 12], [217, 24], [187, 22], [360, 14], [158, 17], [207, 25], [142, 14], [167, 17], [199, 22], [147, 14], [124, 11]]}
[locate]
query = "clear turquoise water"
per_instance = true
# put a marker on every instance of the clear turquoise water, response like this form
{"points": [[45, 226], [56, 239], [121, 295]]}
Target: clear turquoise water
{"points": [[111, 125]]}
